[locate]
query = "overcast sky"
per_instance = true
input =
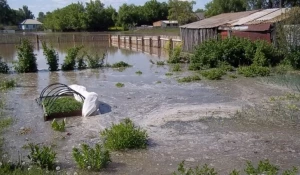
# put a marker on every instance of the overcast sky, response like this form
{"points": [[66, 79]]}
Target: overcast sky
{"points": [[37, 6]]}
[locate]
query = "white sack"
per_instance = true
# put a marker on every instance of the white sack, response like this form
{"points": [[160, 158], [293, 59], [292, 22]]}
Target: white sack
{"points": [[90, 104], [80, 89]]}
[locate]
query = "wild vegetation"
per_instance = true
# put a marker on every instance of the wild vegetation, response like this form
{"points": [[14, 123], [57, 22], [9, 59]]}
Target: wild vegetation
{"points": [[43, 157], [213, 74], [139, 72], [58, 126], [124, 135], [51, 56], [3, 67], [8, 84], [120, 85], [70, 60], [94, 62], [189, 79], [26, 58], [120, 64], [92, 159]]}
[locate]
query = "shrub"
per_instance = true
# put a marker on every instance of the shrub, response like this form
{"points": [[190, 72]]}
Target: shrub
{"points": [[174, 55], [120, 64], [119, 85], [263, 167], [139, 72], [3, 67], [189, 79], [70, 60], [8, 84], [26, 58], [124, 136], [43, 157], [169, 74], [213, 74], [254, 71], [282, 69], [160, 63], [176, 68], [58, 126], [95, 62], [81, 63], [294, 59], [205, 170], [51, 56], [195, 66], [91, 158]]}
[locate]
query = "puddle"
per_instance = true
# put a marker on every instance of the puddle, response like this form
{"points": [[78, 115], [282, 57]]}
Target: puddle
{"points": [[175, 115]]}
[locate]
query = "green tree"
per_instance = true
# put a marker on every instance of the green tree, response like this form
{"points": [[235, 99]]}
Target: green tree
{"points": [[26, 13], [199, 10], [216, 7], [41, 17], [154, 11], [129, 16], [182, 11], [5, 12]]}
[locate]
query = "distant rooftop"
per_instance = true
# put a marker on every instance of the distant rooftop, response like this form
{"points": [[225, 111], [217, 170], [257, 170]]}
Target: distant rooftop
{"points": [[31, 21], [170, 22]]}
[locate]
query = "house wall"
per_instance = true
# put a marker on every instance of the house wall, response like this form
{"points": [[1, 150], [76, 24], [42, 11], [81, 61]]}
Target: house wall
{"points": [[193, 37], [29, 26], [157, 24], [263, 35]]}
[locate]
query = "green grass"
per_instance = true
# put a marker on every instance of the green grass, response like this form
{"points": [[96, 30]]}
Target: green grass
{"points": [[120, 64], [160, 63], [169, 74], [124, 135], [176, 68], [139, 72], [213, 74], [56, 126], [62, 105], [254, 71], [120, 85], [5, 123], [232, 76], [8, 84], [189, 79]]}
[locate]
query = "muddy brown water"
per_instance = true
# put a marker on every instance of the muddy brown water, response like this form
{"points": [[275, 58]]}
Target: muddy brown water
{"points": [[191, 122]]}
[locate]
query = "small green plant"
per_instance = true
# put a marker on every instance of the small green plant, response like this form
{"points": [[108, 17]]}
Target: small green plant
{"points": [[43, 157], [263, 167], [160, 63], [91, 158], [254, 71], [8, 84], [51, 56], [139, 72], [70, 60], [3, 67], [176, 68], [294, 171], [58, 126], [120, 64], [195, 66], [235, 172], [26, 58], [213, 74], [174, 55], [124, 135], [232, 76], [96, 61], [189, 79], [205, 170], [120, 85], [169, 74], [62, 105], [158, 82]]}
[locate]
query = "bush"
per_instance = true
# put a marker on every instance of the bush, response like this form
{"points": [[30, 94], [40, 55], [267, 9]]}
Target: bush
{"points": [[56, 126], [8, 84], [195, 66], [235, 51], [43, 157], [124, 136], [174, 55], [213, 74], [51, 56], [70, 60], [254, 71], [26, 58], [3, 67], [91, 158], [95, 62], [160, 63], [120, 64], [189, 79], [176, 68], [81, 62], [294, 59], [120, 85]]}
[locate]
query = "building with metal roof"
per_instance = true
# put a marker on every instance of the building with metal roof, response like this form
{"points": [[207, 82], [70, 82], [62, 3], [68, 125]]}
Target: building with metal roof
{"points": [[30, 24], [256, 24]]}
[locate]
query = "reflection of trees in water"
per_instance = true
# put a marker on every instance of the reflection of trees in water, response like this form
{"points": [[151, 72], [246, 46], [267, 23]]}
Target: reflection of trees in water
{"points": [[8, 51], [126, 52]]}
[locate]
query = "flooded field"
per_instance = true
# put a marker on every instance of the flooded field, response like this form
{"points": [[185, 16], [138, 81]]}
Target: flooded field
{"points": [[193, 122]]}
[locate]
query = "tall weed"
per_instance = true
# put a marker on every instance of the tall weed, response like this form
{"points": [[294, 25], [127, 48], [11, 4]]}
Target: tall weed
{"points": [[3, 67], [51, 56], [70, 60], [26, 58]]}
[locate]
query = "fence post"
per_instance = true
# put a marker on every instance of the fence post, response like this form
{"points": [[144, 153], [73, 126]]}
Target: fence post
{"points": [[158, 42], [129, 41], [170, 44], [73, 38], [37, 39], [143, 41], [119, 40], [58, 39], [109, 39], [150, 42]]}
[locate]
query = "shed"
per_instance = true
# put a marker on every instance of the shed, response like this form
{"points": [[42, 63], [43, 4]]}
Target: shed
{"points": [[30, 24], [165, 23], [257, 24]]}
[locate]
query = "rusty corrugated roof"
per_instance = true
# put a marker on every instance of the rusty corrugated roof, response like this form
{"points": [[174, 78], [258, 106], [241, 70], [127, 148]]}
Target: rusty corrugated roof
{"points": [[218, 20], [273, 17]]}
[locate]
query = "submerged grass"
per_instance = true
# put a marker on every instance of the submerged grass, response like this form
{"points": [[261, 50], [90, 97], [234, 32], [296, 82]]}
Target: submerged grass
{"points": [[139, 72], [169, 74], [176, 68], [62, 105], [120, 64], [160, 63], [213, 74], [189, 79], [120, 85], [8, 84]]}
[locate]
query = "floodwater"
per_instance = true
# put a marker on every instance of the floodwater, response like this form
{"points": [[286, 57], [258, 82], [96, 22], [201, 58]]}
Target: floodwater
{"points": [[191, 122]]}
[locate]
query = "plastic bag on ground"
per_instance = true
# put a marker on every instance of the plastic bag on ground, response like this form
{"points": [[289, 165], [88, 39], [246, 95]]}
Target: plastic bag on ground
{"points": [[90, 105]]}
